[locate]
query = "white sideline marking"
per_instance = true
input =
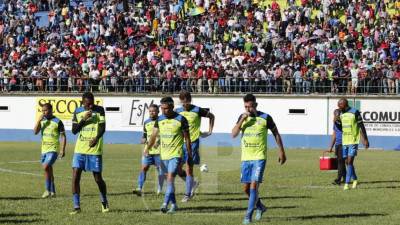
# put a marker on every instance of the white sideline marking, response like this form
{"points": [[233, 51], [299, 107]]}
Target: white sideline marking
{"points": [[20, 172], [20, 162]]}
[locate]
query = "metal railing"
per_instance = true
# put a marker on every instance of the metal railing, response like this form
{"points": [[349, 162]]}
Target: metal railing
{"points": [[210, 86]]}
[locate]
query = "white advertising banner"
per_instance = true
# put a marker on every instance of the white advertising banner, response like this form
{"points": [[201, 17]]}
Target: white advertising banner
{"points": [[293, 115]]}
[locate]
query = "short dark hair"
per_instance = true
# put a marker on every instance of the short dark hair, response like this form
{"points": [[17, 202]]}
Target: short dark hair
{"points": [[153, 106], [345, 101], [167, 100], [249, 98], [185, 95], [88, 95], [48, 105]]}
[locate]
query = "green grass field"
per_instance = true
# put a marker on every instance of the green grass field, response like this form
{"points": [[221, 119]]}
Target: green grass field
{"points": [[296, 193]]}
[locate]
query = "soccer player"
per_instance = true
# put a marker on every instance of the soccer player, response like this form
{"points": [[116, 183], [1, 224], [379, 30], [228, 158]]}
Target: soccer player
{"points": [[337, 142], [193, 115], [254, 127], [153, 157], [52, 130], [89, 121], [173, 130], [352, 127]]}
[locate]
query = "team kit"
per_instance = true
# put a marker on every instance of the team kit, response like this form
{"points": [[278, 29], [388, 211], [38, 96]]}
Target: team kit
{"points": [[171, 142]]}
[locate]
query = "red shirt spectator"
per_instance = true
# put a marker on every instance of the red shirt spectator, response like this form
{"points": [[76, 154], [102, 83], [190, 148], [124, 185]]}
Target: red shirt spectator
{"points": [[167, 55], [184, 75], [397, 74], [365, 32], [209, 73], [200, 73], [214, 75], [275, 6]]}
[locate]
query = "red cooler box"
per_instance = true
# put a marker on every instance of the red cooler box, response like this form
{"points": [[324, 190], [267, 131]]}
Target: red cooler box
{"points": [[327, 162]]}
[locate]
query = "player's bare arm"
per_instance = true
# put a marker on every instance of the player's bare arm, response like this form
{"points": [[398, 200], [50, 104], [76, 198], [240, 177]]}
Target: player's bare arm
{"points": [[38, 126], [211, 118], [278, 139], [188, 144], [237, 128], [332, 143], [63, 144], [364, 135]]}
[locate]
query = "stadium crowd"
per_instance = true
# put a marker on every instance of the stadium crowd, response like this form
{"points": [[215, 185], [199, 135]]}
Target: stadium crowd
{"points": [[207, 46]]}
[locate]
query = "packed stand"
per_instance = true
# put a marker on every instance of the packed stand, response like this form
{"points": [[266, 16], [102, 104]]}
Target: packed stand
{"points": [[204, 46]]}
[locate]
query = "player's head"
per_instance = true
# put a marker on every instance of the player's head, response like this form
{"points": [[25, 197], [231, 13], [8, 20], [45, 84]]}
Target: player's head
{"points": [[47, 110], [153, 111], [343, 104], [250, 103], [185, 98], [167, 106], [88, 100]]}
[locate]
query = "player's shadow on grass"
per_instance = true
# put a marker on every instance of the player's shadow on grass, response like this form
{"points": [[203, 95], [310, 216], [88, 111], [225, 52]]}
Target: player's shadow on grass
{"points": [[3, 215], [328, 216], [220, 193], [379, 181], [267, 198], [21, 198], [211, 209], [12, 218], [134, 210], [384, 187], [122, 194], [202, 209], [21, 221]]}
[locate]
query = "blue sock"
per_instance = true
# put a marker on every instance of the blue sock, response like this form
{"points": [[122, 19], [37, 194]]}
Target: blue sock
{"points": [[52, 187], [161, 178], [141, 179], [169, 192], [48, 185], [252, 203], [77, 201], [349, 173], [189, 184], [354, 176], [172, 198]]}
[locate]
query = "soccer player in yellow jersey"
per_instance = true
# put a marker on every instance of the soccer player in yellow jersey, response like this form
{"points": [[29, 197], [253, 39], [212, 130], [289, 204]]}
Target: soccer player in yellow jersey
{"points": [[254, 127], [193, 114], [173, 131], [153, 157], [352, 130], [52, 130], [89, 121]]}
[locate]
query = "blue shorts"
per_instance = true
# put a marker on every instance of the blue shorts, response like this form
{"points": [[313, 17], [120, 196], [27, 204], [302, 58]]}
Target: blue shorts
{"points": [[93, 163], [171, 165], [48, 158], [195, 152], [252, 171], [151, 160], [350, 150]]}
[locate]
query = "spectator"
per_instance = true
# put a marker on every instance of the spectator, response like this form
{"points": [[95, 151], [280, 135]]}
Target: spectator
{"points": [[106, 48], [298, 81], [397, 77], [390, 76], [354, 79]]}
